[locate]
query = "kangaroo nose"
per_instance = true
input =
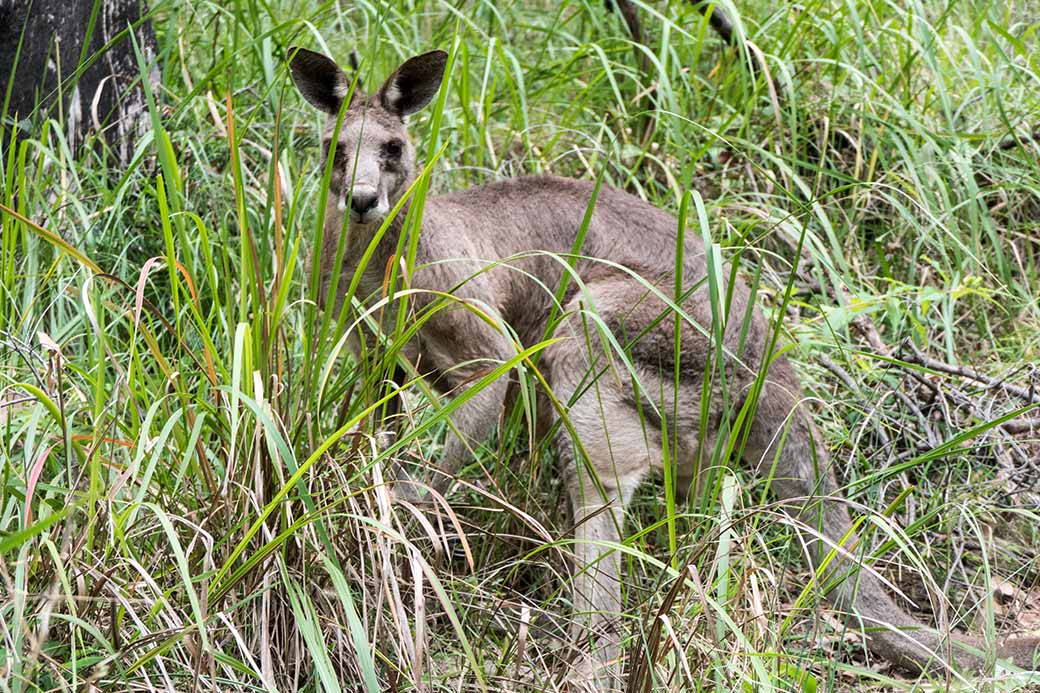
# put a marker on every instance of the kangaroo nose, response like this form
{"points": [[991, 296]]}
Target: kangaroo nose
{"points": [[363, 200]]}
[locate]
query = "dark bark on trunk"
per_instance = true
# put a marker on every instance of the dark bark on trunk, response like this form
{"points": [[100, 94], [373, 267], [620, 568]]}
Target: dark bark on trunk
{"points": [[42, 42]]}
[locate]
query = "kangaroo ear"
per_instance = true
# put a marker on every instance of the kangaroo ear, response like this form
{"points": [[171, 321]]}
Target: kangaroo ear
{"points": [[318, 78], [414, 84]]}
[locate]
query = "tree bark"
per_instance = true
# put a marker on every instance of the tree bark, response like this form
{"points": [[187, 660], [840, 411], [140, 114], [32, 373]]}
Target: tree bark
{"points": [[43, 42]]}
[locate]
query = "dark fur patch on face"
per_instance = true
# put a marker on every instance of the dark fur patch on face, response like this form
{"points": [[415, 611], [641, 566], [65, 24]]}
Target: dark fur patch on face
{"points": [[391, 150]]}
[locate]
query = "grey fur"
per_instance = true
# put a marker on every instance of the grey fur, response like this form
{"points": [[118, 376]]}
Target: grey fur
{"points": [[463, 232]]}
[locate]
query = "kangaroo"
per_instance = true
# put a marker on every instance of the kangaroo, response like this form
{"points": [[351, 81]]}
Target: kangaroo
{"points": [[615, 437]]}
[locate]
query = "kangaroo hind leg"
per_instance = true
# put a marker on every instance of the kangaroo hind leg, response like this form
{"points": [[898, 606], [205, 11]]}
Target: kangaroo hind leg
{"points": [[607, 444]]}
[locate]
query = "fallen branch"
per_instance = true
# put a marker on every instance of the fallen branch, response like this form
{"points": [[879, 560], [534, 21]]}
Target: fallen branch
{"points": [[1014, 140], [921, 359]]}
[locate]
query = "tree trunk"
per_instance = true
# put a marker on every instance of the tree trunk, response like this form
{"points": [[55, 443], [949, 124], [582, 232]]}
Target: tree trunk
{"points": [[42, 42]]}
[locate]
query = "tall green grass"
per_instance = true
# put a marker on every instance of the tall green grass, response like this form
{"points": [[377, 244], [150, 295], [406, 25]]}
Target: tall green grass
{"points": [[193, 467]]}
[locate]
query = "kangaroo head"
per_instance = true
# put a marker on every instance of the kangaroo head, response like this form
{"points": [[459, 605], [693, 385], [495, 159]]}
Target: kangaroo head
{"points": [[374, 159]]}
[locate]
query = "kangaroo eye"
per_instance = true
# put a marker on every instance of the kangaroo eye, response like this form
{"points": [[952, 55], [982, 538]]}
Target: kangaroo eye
{"points": [[392, 149]]}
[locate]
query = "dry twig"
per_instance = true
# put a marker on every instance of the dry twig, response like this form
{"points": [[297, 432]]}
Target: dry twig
{"points": [[917, 357]]}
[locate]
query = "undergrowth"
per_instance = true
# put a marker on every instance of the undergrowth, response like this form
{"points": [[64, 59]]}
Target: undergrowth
{"points": [[193, 488]]}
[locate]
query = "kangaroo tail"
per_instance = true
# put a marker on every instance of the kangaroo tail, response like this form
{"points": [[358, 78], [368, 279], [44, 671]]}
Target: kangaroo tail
{"points": [[803, 472]]}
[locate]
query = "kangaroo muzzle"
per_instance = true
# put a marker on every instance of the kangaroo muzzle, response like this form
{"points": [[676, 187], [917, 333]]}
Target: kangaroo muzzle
{"points": [[367, 204]]}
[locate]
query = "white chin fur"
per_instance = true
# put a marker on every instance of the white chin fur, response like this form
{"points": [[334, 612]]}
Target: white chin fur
{"points": [[342, 204]]}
